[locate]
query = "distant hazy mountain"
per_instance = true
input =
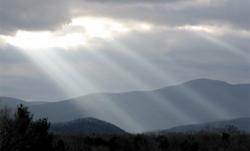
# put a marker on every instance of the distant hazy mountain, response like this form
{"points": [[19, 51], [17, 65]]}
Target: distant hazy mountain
{"points": [[13, 102], [86, 126], [10, 102], [195, 101], [243, 124]]}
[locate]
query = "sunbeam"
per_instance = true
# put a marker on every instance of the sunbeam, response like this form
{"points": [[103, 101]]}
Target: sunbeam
{"points": [[73, 84], [97, 69], [227, 46], [162, 76], [36, 41], [167, 105], [59, 71]]}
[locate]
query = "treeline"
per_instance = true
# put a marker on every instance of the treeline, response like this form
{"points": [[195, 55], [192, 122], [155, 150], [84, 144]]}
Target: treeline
{"points": [[20, 132], [202, 141]]}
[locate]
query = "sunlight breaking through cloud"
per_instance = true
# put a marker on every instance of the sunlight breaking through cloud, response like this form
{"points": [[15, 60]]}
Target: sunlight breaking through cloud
{"points": [[213, 33], [198, 28], [72, 83], [78, 33], [45, 40], [214, 30], [99, 27], [230, 48], [100, 49], [137, 82], [163, 76]]}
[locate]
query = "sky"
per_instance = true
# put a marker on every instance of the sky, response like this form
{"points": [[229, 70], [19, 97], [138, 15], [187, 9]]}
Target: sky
{"points": [[57, 49]]}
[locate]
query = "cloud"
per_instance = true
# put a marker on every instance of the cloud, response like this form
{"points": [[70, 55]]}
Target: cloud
{"points": [[135, 1], [228, 12], [186, 40], [80, 32], [33, 15], [179, 55]]}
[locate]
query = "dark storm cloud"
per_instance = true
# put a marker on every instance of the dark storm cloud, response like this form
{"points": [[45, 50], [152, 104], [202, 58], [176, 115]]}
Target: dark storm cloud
{"points": [[52, 14], [33, 14], [228, 12]]}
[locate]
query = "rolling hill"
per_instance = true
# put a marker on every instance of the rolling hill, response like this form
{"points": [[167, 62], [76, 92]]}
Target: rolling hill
{"points": [[86, 126], [196, 101], [242, 124]]}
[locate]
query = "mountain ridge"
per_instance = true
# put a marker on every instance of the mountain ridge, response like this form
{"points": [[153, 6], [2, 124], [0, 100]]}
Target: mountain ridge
{"points": [[134, 91], [242, 124], [201, 100]]}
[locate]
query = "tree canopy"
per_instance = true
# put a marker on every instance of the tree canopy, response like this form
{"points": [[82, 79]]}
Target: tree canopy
{"points": [[20, 132]]}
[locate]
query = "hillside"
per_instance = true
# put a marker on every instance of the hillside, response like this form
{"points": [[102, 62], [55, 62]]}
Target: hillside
{"points": [[86, 126], [242, 124], [196, 101]]}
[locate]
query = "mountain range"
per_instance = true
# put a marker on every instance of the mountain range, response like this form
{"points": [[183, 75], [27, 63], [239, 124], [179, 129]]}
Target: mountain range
{"points": [[196, 101], [241, 124]]}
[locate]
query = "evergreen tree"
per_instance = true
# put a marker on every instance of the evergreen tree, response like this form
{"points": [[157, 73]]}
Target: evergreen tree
{"points": [[22, 133]]}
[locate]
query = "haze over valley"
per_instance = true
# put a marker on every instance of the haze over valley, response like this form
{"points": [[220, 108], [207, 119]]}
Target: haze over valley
{"points": [[124, 75], [192, 102]]}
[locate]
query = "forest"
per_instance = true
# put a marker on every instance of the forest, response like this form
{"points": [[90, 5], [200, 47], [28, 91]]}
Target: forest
{"points": [[20, 132]]}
